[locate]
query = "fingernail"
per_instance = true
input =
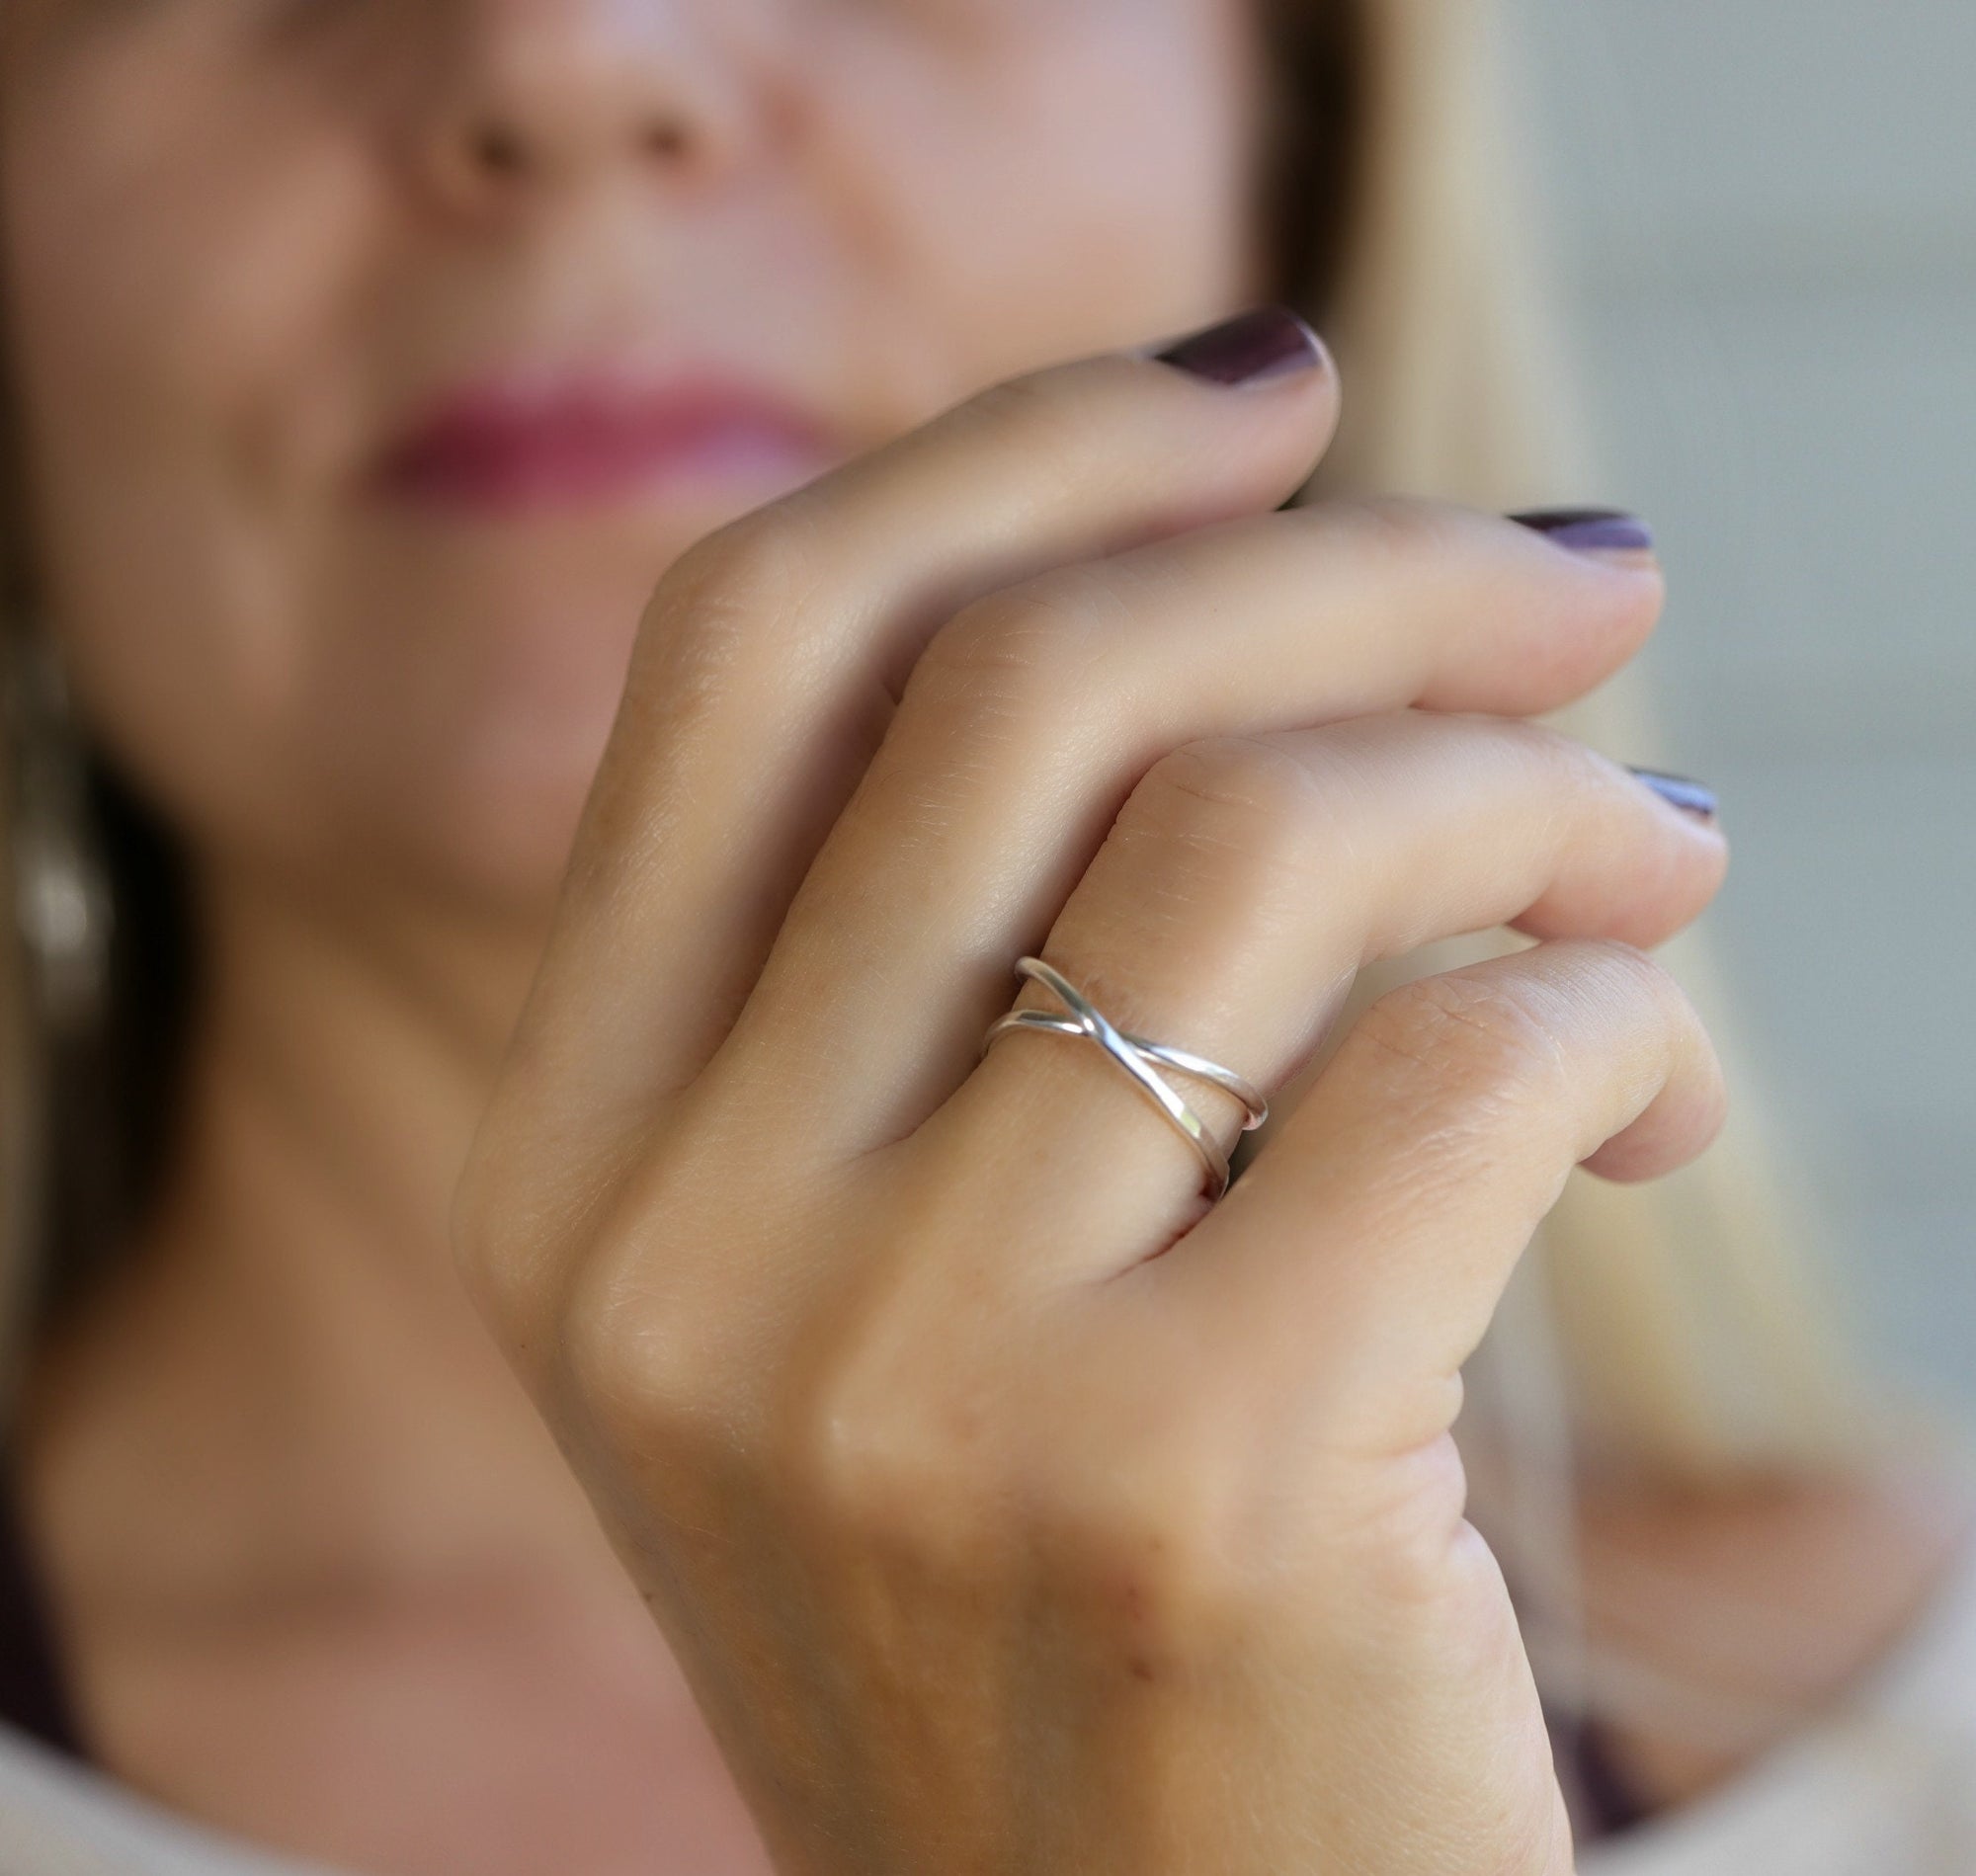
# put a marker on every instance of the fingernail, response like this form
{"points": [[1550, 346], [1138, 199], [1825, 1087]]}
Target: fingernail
{"points": [[1696, 797], [1591, 530], [1265, 342]]}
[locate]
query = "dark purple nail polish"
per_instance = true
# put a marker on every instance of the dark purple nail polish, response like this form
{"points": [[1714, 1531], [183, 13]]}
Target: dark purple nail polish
{"points": [[1265, 342], [1683, 790], [1591, 530]]}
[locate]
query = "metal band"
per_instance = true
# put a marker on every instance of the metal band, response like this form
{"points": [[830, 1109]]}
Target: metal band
{"points": [[1135, 1055]]}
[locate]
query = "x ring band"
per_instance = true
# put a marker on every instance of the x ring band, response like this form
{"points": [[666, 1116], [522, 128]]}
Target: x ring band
{"points": [[1136, 1056]]}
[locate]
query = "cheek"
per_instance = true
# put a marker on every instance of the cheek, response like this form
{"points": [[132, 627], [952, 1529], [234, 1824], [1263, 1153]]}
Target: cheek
{"points": [[197, 374], [1081, 179], [212, 285], [171, 260]]}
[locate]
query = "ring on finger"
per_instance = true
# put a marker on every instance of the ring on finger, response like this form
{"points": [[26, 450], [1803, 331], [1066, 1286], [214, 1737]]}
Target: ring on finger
{"points": [[1136, 1054]]}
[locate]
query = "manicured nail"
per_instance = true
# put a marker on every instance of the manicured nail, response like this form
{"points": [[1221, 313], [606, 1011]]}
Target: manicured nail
{"points": [[1265, 342], [1683, 790], [1591, 530]]}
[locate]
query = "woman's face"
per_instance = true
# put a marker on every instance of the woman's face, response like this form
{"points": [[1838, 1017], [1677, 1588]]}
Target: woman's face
{"points": [[375, 356]]}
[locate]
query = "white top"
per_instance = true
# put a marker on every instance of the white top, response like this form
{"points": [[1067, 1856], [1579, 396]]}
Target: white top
{"points": [[1882, 1784]]}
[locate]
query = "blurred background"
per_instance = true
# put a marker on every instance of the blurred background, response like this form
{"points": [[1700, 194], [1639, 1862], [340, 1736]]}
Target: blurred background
{"points": [[1765, 223]]}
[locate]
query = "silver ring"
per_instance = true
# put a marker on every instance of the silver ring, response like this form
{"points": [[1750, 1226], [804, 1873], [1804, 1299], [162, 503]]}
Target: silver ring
{"points": [[1135, 1055]]}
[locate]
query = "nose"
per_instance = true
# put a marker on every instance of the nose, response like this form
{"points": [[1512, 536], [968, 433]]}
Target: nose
{"points": [[525, 97]]}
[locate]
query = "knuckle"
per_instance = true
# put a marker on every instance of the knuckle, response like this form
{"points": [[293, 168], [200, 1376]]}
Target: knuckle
{"points": [[497, 1253], [904, 1478], [1048, 417], [1250, 816], [645, 1346], [1627, 963], [1629, 972], [1250, 777], [766, 553], [964, 1486], [1469, 1038], [1634, 964], [1574, 784], [1401, 531], [477, 1206], [1611, 966], [750, 580], [1244, 796], [1544, 747], [482, 1253], [644, 1374], [521, 1215], [1034, 648]]}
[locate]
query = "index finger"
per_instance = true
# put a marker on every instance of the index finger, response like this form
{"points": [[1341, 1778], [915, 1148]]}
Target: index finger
{"points": [[766, 668]]}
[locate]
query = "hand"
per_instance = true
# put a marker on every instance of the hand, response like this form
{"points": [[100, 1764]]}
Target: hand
{"points": [[1010, 1507]]}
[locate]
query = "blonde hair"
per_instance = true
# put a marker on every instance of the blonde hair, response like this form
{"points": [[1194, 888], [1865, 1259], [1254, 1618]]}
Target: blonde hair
{"points": [[1695, 1305], [1682, 1334], [1676, 1331]]}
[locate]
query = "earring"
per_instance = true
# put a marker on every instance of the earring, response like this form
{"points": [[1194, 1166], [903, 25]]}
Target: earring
{"points": [[63, 906]]}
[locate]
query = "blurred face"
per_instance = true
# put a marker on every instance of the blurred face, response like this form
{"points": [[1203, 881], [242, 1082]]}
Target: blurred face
{"points": [[376, 356]]}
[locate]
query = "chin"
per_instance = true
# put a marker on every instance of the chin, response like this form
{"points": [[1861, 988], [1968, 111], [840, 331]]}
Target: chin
{"points": [[495, 852], [467, 724]]}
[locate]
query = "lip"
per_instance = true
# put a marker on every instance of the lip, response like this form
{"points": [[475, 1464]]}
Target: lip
{"points": [[529, 441]]}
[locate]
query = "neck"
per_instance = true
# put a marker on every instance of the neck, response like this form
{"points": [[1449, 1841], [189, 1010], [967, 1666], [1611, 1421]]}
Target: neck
{"points": [[288, 1337]]}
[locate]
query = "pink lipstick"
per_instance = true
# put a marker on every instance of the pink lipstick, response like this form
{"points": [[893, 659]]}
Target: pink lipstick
{"points": [[521, 444]]}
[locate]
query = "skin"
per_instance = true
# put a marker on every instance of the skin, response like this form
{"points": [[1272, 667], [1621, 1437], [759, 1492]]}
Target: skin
{"points": [[820, 1342]]}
